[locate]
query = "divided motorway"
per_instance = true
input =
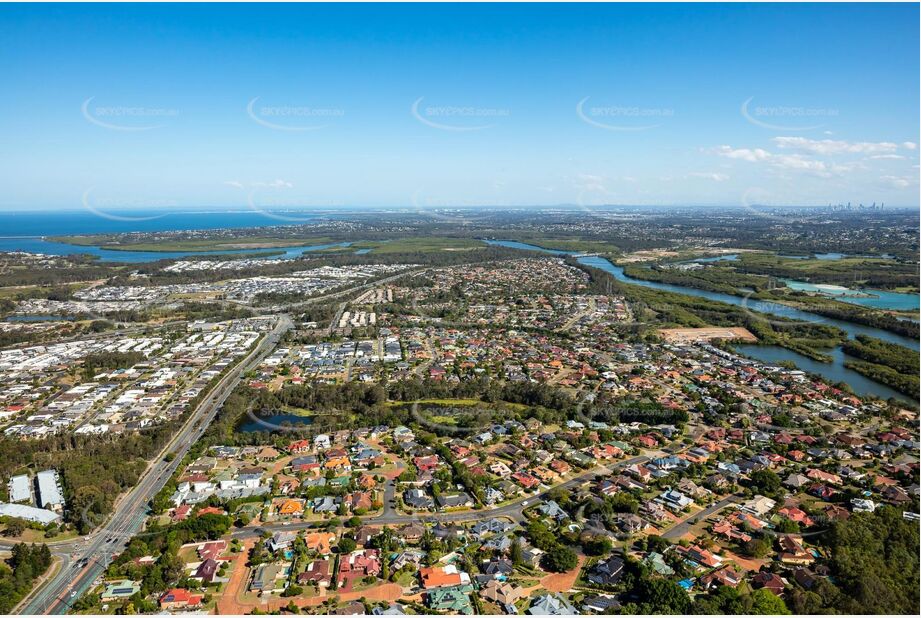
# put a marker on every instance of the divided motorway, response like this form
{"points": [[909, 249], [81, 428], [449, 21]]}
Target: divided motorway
{"points": [[84, 560]]}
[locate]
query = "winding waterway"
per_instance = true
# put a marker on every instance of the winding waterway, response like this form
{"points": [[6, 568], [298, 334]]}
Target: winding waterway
{"points": [[834, 371]]}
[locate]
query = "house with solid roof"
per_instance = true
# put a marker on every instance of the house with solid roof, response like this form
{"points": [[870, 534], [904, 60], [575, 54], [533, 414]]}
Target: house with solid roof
{"points": [[438, 576], [551, 605], [700, 555], [206, 571], [452, 599], [266, 578], [320, 542], [502, 593], [726, 576], [120, 589], [179, 598], [607, 572], [318, 573]]}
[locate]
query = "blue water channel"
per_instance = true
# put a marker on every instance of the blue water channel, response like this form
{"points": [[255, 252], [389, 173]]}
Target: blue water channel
{"points": [[834, 371]]}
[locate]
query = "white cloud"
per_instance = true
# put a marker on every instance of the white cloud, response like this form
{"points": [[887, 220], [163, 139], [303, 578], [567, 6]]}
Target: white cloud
{"points": [[798, 162], [234, 183], [833, 147], [751, 155], [909, 145], [278, 183], [899, 182], [782, 161], [885, 156], [714, 176]]}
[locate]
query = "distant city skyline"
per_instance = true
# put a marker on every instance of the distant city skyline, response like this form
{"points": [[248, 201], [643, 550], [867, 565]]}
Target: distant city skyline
{"points": [[256, 107]]}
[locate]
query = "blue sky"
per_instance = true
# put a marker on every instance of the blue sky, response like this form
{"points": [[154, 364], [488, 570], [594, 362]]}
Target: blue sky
{"points": [[436, 105]]}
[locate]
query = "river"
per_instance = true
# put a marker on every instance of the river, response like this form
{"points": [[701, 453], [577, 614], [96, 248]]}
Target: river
{"points": [[866, 297], [834, 371]]}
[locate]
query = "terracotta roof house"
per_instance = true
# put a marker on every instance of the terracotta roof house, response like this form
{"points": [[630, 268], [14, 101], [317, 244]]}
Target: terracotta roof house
{"points": [[361, 561], [770, 581], [796, 514], [825, 477], [212, 549], [726, 530], [181, 512], [300, 446], [792, 550], [290, 506], [725, 576], [179, 598], [209, 510], [320, 542], [701, 556], [359, 500], [525, 480], [318, 572], [426, 463], [436, 577]]}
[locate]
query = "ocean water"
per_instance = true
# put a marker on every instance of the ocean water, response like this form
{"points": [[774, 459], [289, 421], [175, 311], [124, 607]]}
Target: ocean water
{"points": [[26, 231], [60, 223]]}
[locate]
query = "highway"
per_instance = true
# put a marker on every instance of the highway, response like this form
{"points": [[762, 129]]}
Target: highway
{"points": [[85, 560]]}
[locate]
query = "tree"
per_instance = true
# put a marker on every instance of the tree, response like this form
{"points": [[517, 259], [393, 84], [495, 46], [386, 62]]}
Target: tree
{"points": [[258, 554], [560, 559], [758, 548], [657, 543], [787, 526], [515, 553], [346, 545], [597, 546], [765, 482], [662, 596], [540, 535], [874, 558], [14, 527], [766, 602], [623, 502]]}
